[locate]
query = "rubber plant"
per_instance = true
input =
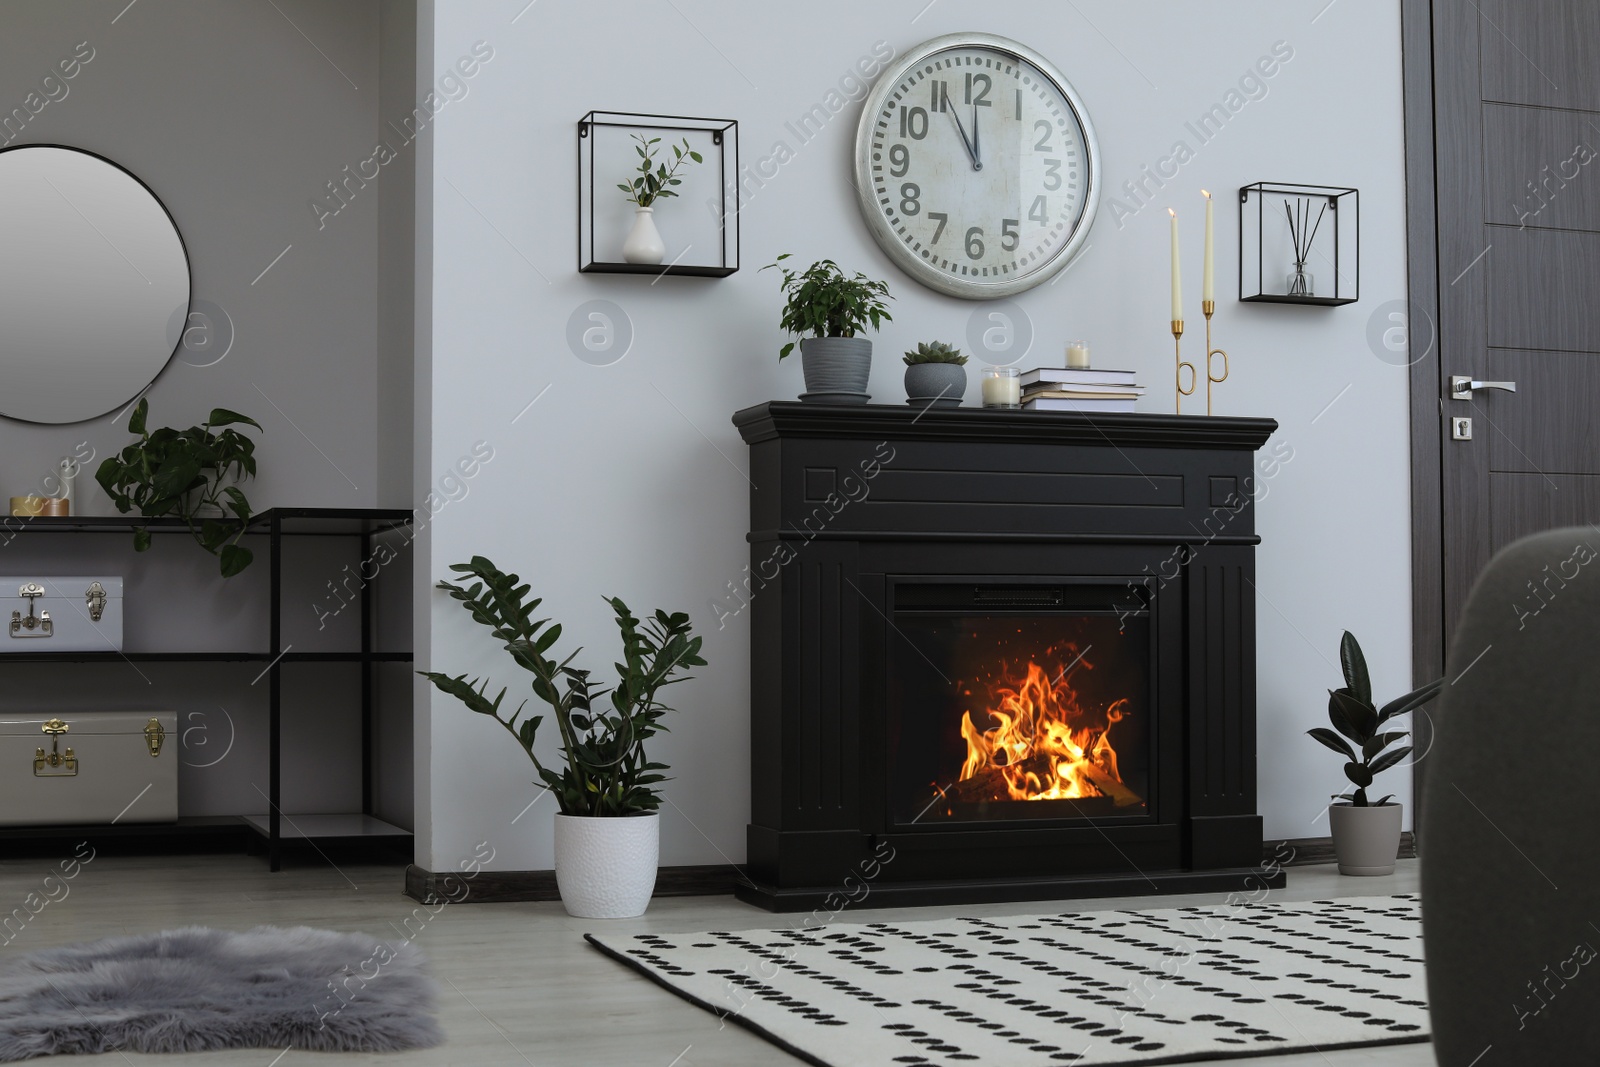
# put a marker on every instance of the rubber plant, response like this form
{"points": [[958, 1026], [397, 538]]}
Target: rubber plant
{"points": [[824, 301], [1358, 732], [605, 770], [188, 474]]}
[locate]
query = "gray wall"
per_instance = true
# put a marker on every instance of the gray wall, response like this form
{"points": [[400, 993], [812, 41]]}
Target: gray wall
{"points": [[237, 114]]}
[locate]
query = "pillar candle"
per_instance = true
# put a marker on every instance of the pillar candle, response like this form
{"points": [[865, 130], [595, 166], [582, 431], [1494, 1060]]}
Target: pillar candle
{"points": [[1078, 355], [1208, 291]]}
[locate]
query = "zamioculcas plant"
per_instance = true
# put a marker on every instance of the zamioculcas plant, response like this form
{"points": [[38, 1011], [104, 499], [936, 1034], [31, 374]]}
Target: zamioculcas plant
{"points": [[1361, 738], [605, 769]]}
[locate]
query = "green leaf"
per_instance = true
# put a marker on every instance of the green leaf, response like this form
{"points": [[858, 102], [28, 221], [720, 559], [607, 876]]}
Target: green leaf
{"points": [[1378, 742], [1333, 741], [141, 539], [1351, 717], [237, 503], [142, 409], [224, 417], [1389, 759], [1411, 701], [1355, 668], [235, 558], [1358, 774]]}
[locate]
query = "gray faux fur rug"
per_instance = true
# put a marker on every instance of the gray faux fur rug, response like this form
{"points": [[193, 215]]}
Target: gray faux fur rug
{"points": [[196, 988]]}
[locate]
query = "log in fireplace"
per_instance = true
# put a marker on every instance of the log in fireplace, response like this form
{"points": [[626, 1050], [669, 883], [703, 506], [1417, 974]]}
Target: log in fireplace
{"points": [[1000, 655]]}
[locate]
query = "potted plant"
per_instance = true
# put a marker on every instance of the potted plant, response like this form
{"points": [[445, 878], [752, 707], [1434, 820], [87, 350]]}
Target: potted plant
{"points": [[1366, 835], [655, 181], [190, 474], [607, 832], [827, 308], [936, 376]]}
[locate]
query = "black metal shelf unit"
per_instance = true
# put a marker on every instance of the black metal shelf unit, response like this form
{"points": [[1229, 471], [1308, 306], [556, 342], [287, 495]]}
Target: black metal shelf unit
{"points": [[724, 138], [275, 524]]}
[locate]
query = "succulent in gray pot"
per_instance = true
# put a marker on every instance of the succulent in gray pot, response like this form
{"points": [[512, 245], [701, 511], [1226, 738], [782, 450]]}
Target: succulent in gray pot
{"points": [[936, 376], [826, 308], [1366, 835]]}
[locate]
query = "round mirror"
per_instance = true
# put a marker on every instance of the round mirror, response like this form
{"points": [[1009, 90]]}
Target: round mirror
{"points": [[94, 285]]}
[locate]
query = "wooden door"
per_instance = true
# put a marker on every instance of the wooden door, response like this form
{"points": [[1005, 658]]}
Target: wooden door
{"points": [[1517, 134]]}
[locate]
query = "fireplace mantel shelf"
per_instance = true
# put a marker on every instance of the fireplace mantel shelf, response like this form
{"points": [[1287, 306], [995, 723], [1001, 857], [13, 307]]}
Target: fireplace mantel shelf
{"points": [[789, 419]]}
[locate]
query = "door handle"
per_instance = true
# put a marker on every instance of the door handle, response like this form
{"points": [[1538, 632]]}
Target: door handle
{"points": [[1462, 386]]}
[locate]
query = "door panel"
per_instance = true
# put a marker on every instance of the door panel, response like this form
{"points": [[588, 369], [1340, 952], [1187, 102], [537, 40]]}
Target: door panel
{"points": [[1534, 502], [1550, 424], [1563, 190], [1538, 51], [1542, 287]]}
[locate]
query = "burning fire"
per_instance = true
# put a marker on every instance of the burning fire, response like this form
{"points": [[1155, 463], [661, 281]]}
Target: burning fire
{"points": [[1044, 746]]}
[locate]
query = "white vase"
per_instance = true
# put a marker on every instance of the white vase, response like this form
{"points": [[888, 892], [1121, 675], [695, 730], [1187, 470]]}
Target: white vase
{"points": [[606, 867], [644, 244]]}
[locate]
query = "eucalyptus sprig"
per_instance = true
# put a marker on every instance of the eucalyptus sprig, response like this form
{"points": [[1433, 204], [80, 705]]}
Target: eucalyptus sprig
{"points": [[606, 771], [186, 473], [824, 301], [656, 180]]}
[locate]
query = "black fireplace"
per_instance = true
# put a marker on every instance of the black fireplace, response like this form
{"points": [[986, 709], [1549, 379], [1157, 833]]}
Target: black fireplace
{"points": [[1000, 655]]}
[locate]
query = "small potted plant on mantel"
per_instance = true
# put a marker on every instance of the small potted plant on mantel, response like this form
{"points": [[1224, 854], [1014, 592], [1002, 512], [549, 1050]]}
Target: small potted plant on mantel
{"points": [[1366, 835], [607, 832], [936, 376], [827, 308], [655, 181]]}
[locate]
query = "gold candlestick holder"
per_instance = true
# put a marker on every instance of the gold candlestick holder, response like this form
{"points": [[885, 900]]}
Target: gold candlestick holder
{"points": [[1177, 374], [1207, 308]]}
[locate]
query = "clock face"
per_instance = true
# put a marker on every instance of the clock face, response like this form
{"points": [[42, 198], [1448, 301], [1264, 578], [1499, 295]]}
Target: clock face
{"points": [[977, 167]]}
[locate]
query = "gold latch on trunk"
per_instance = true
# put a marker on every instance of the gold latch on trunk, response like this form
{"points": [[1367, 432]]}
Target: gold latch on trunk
{"points": [[32, 625], [55, 763], [154, 735]]}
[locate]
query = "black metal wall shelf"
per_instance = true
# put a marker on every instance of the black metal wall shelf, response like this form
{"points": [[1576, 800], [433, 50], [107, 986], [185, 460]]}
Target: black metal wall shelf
{"points": [[275, 524], [1327, 239], [723, 135]]}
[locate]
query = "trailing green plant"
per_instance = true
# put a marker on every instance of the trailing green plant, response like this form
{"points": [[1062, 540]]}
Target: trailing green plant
{"points": [[186, 473], [937, 352], [606, 771], [1360, 724], [656, 180], [823, 301]]}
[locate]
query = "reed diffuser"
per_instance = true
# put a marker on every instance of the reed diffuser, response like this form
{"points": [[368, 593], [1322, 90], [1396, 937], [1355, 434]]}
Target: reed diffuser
{"points": [[1302, 231]]}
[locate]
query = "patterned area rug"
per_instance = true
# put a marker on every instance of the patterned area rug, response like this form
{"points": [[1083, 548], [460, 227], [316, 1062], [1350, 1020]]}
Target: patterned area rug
{"points": [[1087, 988]]}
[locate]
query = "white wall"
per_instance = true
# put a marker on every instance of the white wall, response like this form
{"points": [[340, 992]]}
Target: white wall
{"points": [[628, 479]]}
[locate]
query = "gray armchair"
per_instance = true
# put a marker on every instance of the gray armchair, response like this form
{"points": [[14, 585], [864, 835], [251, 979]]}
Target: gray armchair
{"points": [[1510, 834]]}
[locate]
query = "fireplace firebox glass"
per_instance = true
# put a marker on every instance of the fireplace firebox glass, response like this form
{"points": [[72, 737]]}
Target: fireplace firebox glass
{"points": [[1018, 703]]}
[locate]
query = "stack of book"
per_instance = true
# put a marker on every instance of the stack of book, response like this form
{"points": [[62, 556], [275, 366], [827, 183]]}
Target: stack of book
{"points": [[1066, 389]]}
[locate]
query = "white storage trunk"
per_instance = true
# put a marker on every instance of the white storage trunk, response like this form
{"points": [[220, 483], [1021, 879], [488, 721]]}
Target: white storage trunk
{"points": [[80, 614], [88, 767]]}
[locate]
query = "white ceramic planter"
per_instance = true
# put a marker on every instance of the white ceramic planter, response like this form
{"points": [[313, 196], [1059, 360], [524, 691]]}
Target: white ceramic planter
{"points": [[606, 867], [1365, 840], [644, 244]]}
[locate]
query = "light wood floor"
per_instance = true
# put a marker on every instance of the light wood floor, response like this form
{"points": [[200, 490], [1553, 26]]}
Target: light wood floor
{"points": [[521, 986]]}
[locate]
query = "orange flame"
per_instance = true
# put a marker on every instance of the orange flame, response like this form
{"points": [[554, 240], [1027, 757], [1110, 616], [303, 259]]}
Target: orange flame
{"points": [[1044, 744]]}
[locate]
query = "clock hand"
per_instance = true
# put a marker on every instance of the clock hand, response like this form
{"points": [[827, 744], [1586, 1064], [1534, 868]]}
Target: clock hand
{"points": [[972, 153], [977, 154]]}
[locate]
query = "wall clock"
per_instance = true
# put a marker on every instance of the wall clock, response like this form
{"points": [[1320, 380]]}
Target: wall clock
{"points": [[977, 167]]}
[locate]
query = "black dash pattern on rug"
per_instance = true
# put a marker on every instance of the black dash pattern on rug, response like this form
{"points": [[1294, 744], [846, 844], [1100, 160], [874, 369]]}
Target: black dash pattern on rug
{"points": [[1175, 985], [196, 989]]}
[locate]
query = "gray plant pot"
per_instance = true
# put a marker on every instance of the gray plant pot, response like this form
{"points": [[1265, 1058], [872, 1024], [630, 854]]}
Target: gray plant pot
{"points": [[836, 365], [1365, 840], [947, 381]]}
